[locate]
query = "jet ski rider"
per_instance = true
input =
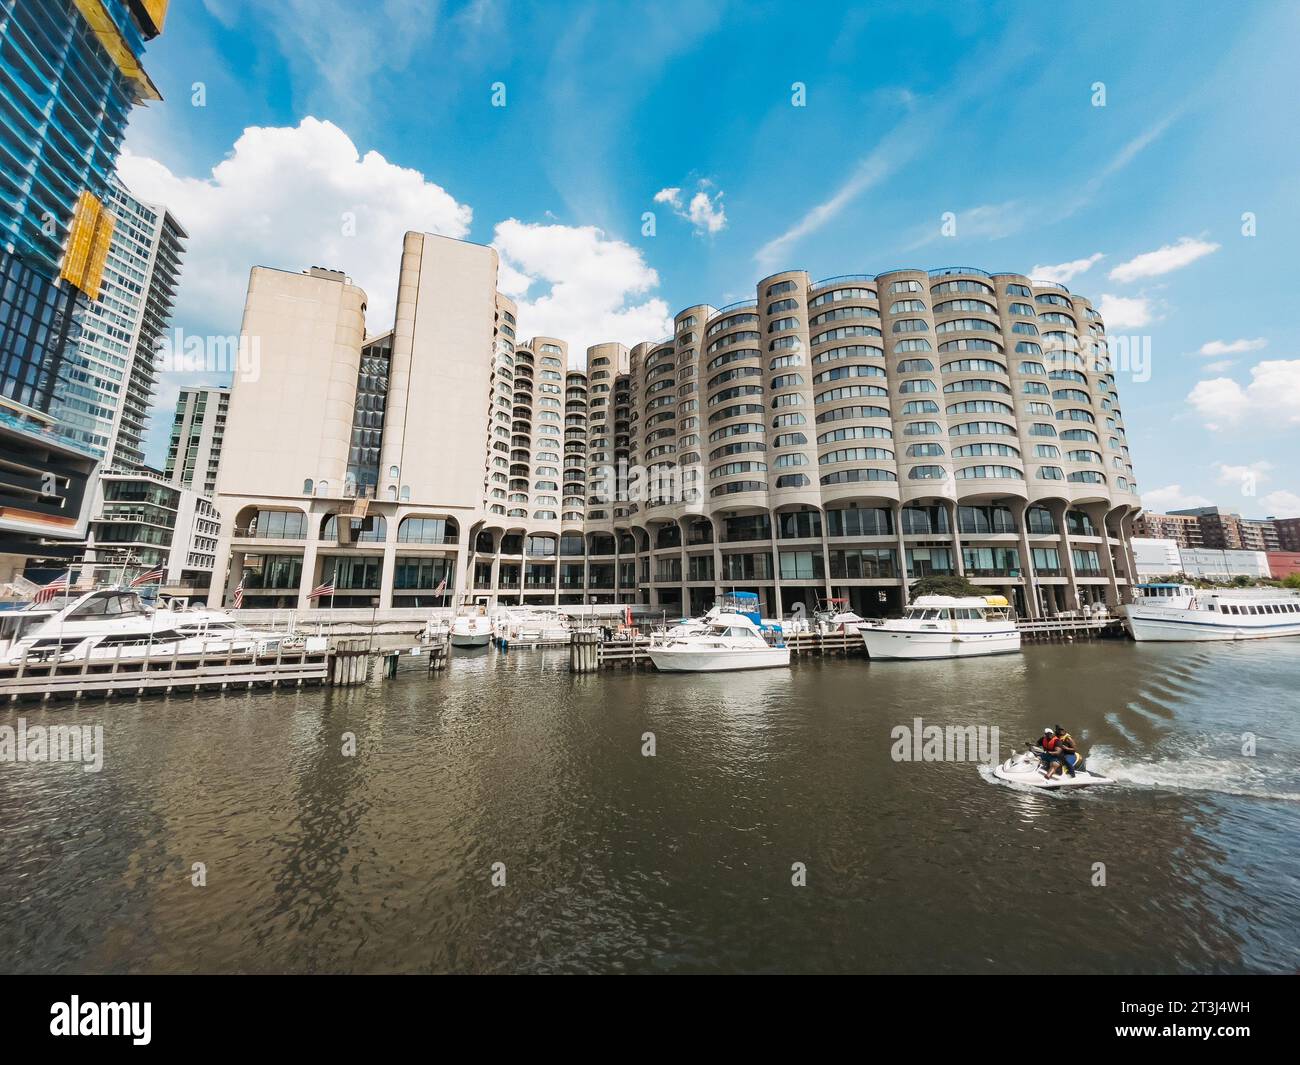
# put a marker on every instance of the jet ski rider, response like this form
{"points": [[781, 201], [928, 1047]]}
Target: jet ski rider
{"points": [[1050, 755], [1067, 754]]}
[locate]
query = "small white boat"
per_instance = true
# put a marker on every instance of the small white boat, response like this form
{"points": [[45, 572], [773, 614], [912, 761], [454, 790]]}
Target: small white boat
{"points": [[945, 626], [1027, 770], [731, 638], [471, 630], [1179, 612]]}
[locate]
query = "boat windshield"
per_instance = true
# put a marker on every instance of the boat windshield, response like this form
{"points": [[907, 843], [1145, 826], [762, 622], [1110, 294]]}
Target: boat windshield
{"points": [[111, 604]]}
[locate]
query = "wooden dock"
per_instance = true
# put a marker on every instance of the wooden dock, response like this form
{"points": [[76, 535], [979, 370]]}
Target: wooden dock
{"points": [[1067, 629], [216, 671]]}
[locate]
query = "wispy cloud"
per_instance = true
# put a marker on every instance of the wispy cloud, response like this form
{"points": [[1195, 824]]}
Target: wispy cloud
{"points": [[704, 210], [1064, 273], [1125, 312], [1215, 348], [1163, 260]]}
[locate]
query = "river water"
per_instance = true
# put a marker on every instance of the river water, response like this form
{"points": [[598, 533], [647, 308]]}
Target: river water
{"points": [[687, 860]]}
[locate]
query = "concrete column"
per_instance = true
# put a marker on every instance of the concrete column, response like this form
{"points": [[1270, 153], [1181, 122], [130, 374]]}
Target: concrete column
{"points": [[1097, 512], [308, 579], [958, 558], [1067, 554], [896, 515], [1028, 580]]}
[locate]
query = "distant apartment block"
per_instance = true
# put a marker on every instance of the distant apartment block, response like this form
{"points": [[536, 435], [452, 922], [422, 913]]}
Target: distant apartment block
{"points": [[840, 437], [1214, 528], [108, 375], [197, 436]]}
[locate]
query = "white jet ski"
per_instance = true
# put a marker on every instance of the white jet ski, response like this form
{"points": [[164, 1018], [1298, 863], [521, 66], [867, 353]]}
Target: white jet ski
{"points": [[1027, 769]]}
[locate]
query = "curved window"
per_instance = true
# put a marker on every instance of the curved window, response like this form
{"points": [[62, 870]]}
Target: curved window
{"points": [[789, 440], [1022, 309], [922, 429], [974, 366], [1050, 473], [793, 480], [1053, 298], [738, 486], [734, 375], [1036, 369], [957, 306], [917, 384], [1002, 473], [1080, 434], [781, 287], [843, 294], [782, 361], [1056, 318], [782, 305], [727, 469], [920, 406], [1041, 429], [982, 429], [1035, 388], [856, 454], [985, 450], [970, 344], [1074, 415], [849, 476], [1028, 328], [782, 421], [1087, 477], [962, 324], [1073, 395], [838, 314], [906, 307], [849, 391], [732, 356], [1028, 347], [728, 394], [841, 372], [926, 473], [1047, 451], [851, 351], [855, 432], [916, 366], [736, 411], [904, 286], [945, 288], [1018, 290], [418, 530], [745, 447], [736, 430], [782, 324], [841, 413], [1068, 375], [910, 325], [788, 399], [924, 451], [977, 384], [1083, 456], [846, 331], [791, 380], [794, 458]]}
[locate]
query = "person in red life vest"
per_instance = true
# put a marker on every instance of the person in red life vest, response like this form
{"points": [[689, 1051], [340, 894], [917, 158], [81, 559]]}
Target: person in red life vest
{"points": [[1050, 745]]}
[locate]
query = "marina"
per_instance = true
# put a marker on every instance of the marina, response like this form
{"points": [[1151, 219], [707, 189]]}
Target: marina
{"points": [[619, 861]]}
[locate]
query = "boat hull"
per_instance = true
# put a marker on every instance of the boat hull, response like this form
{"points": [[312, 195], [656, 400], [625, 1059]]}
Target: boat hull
{"points": [[1199, 626], [473, 639], [675, 660], [904, 644]]}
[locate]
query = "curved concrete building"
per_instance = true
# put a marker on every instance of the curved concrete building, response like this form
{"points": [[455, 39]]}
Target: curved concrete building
{"points": [[827, 438]]}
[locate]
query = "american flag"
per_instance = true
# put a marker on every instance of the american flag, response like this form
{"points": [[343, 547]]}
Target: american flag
{"points": [[56, 587], [239, 593], [322, 589], [152, 577]]}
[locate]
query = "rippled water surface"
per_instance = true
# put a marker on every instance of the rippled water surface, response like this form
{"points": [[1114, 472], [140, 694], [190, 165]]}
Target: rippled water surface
{"points": [[615, 861]]}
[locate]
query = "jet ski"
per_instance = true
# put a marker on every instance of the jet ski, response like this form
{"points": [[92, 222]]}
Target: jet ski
{"points": [[1027, 769]]}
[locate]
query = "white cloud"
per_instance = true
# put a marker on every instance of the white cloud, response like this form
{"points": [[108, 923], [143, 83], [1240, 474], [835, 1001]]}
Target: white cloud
{"points": [[1125, 312], [1281, 504], [1163, 260], [1171, 497], [282, 198], [1220, 366], [1269, 398], [704, 211], [591, 284], [1063, 273], [1254, 471], [1231, 347]]}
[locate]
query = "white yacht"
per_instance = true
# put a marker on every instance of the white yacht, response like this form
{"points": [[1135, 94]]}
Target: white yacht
{"points": [[945, 626], [531, 626], [471, 630], [733, 636], [1165, 611], [115, 622]]}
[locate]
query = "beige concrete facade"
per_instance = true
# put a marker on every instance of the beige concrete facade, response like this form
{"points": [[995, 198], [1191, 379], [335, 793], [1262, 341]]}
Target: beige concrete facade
{"points": [[831, 438]]}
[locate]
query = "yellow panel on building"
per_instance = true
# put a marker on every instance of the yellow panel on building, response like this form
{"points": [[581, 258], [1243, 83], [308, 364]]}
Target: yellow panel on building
{"points": [[156, 12], [88, 242]]}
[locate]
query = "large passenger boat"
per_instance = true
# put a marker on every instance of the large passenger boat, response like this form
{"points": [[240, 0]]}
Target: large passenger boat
{"points": [[1177, 612]]}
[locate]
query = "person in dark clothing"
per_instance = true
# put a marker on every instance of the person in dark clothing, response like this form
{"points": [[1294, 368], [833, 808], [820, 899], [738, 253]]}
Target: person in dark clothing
{"points": [[1049, 745], [1069, 751]]}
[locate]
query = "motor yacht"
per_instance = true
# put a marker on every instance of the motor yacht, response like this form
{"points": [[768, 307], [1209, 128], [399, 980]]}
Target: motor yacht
{"points": [[732, 636], [945, 626]]}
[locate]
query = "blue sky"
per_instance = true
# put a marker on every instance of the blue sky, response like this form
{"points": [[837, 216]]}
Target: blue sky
{"points": [[320, 111]]}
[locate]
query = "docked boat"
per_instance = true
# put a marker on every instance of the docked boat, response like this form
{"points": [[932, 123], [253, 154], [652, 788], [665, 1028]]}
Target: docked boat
{"points": [[733, 636], [471, 630], [532, 627], [116, 623], [1178, 612], [945, 626], [831, 615]]}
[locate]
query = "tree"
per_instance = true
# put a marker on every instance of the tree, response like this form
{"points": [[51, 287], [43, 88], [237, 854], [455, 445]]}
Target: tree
{"points": [[951, 585], [1291, 580]]}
